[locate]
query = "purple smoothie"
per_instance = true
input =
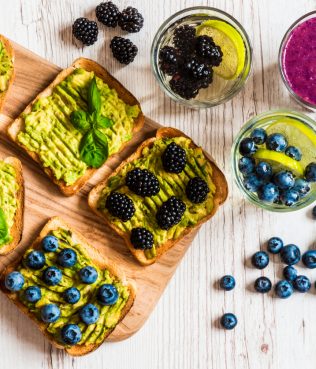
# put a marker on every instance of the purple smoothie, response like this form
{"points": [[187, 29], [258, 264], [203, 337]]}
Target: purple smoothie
{"points": [[299, 60]]}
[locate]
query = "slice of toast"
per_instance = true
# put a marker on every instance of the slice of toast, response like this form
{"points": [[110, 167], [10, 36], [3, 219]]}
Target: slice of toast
{"points": [[220, 196], [98, 260], [7, 45], [90, 66], [17, 228]]}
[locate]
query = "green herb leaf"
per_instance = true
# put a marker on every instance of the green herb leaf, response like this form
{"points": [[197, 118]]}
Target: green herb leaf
{"points": [[103, 122], [4, 231], [79, 120], [94, 148], [94, 97]]}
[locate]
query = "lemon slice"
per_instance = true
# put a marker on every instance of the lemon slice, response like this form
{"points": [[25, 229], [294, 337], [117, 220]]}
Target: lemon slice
{"points": [[297, 134], [279, 161], [231, 44]]}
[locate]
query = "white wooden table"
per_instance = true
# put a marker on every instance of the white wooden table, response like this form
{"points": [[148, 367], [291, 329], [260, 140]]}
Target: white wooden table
{"points": [[183, 331]]}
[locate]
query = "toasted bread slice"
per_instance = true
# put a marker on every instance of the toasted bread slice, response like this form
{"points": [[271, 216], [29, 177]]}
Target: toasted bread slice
{"points": [[91, 66], [7, 45], [98, 260], [220, 196], [17, 228]]}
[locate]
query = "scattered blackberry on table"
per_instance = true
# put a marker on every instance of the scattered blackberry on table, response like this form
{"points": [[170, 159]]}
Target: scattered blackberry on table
{"points": [[107, 13], [169, 60], [196, 68], [131, 20], [197, 190], [120, 206], [184, 38], [142, 182], [141, 238], [174, 158], [85, 31], [170, 212], [206, 48], [123, 49]]}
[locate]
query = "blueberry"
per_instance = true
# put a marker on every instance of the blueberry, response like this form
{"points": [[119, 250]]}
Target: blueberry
{"points": [[290, 254], [309, 259], [284, 179], [227, 282], [67, 258], [35, 260], [228, 321], [310, 172], [302, 283], [32, 294], [259, 135], [294, 153], [289, 273], [14, 281], [263, 284], [88, 275], [247, 146], [50, 313], [252, 183], [72, 295], [264, 170], [71, 334], [269, 192], [260, 259], [50, 243], [289, 197], [284, 289], [246, 165], [89, 314], [276, 142], [275, 245], [302, 187], [314, 212], [107, 294], [52, 276]]}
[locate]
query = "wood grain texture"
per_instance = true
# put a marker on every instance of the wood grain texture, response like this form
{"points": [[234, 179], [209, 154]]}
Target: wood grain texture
{"points": [[183, 330]]}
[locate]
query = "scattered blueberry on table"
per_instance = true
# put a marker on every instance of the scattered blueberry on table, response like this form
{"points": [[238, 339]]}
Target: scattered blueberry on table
{"points": [[290, 254], [314, 212], [227, 282], [302, 283], [263, 285], [309, 259], [260, 259], [228, 321], [275, 245], [283, 289], [289, 273]]}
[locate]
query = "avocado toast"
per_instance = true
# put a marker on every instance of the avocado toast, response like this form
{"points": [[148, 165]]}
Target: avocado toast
{"points": [[45, 130], [59, 249], [6, 68], [146, 211], [11, 204]]}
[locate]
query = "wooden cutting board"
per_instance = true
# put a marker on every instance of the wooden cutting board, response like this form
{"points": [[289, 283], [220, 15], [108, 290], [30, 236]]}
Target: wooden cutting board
{"points": [[43, 200]]}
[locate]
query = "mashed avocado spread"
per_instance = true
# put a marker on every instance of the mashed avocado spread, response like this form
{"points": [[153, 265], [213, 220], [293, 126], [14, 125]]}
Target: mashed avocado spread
{"points": [[109, 315], [6, 68], [170, 185], [50, 134], [8, 198]]}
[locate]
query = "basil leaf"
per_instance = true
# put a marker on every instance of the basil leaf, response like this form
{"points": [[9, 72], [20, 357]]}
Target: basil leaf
{"points": [[103, 122], [4, 231], [94, 148], [79, 120], [94, 97]]}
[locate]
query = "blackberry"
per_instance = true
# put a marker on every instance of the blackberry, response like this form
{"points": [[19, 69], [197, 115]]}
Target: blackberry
{"points": [[184, 38], [206, 48], [170, 212], [205, 81], [186, 87], [197, 68], [174, 158], [169, 59], [107, 13], [120, 206], [142, 182], [142, 239], [131, 20], [123, 49], [85, 31], [197, 190]]}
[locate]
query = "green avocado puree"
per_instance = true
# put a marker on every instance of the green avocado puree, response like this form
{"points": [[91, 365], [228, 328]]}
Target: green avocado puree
{"points": [[50, 134], [6, 68], [170, 185], [109, 315], [8, 198]]}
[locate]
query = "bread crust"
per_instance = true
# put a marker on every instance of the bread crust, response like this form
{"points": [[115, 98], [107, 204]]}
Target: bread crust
{"points": [[17, 228], [91, 66], [220, 196], [8, 46], [98, 259]]}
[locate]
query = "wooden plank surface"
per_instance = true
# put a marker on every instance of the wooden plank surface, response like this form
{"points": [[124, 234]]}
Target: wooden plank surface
{"points": [[183, 330]]}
